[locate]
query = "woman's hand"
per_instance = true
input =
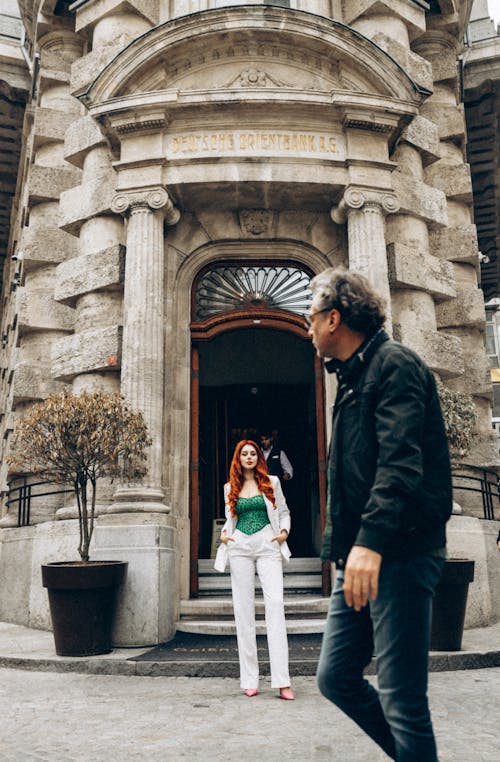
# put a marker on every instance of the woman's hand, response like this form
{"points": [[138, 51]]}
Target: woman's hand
{"points": [[281, 537], [225, 539]]}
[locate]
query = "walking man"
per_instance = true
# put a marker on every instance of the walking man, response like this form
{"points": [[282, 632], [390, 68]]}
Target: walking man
{"points": [[389, 498]]}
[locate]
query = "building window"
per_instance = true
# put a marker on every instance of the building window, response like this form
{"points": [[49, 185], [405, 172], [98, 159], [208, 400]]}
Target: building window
{"points": [[227, 288], [223, 3]]}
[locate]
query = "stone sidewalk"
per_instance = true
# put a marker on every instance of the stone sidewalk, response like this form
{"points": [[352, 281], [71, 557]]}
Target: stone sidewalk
{"points": [[52, 717], [24, 648]]}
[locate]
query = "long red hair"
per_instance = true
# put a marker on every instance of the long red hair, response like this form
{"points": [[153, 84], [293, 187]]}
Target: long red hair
{"points": [[236, 477]]}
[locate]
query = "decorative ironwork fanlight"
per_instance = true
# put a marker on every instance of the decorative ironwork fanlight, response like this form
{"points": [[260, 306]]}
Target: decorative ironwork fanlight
{"points": [[227, 288]]}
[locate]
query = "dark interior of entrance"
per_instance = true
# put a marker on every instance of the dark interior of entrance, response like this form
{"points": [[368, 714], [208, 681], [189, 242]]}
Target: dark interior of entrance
{"points": [[252, 379]]}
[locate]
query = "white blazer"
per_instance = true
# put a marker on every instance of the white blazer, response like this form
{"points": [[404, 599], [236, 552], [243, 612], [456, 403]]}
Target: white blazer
{"points": [[279, 518]]}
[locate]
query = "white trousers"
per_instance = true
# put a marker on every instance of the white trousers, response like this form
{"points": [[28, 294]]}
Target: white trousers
{"points": [[246, 554]]}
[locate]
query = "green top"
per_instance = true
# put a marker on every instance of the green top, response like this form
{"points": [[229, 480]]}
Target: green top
{"points": [[252, 514]]}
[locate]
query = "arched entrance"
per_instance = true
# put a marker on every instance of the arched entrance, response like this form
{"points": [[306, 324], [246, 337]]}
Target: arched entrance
{"points": [[255, 367]]}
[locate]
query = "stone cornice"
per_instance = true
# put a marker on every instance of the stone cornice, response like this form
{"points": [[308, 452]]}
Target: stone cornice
{"points": [[356, 197], [152, 199]]}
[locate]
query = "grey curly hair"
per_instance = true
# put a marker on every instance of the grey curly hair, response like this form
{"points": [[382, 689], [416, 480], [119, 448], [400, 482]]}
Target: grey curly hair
{"points": [[362, 309]]}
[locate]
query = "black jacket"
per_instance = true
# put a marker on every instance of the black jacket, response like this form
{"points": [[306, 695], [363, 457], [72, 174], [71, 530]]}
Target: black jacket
{"points": [[274, 462], [389, 467]]}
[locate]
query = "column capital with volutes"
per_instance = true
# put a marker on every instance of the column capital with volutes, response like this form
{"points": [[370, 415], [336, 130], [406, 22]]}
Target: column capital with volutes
{"points": [[147, 199], [356, 197]]}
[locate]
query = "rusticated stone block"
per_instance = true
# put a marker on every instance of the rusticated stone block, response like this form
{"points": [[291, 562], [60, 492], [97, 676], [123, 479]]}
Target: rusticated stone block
{"points": [[410, 269], [466, 310], [84, 202], [409, 12], [420, 200], [38, 311], [455, 244], [86, 352], [47, 183], [442, 352], [89, 13], [417, 67], [33, 382], [50, 124], [80, 137], [444, 65], [452, 179], [40, 246], [83, 71], [449, 119], [423, 135], [90, 272], [476, 378]]}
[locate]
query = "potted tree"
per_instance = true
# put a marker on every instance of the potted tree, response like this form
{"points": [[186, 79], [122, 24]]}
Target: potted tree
{"points": [[450, 598], [76, 440]]}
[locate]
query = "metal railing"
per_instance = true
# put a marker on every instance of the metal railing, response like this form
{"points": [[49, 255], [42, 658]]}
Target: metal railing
{"points": [[22, 495], [482, 480]]}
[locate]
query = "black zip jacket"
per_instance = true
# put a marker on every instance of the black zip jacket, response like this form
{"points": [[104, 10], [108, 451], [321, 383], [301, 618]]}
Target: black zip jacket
{"points": [[389, 467]]}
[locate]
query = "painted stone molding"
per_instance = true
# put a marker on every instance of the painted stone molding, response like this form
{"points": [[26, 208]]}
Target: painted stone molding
{"points": [[158, 198], [356, 198]]}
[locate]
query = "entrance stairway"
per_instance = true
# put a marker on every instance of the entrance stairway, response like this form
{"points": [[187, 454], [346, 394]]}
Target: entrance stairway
{"points": [[212, 612]]}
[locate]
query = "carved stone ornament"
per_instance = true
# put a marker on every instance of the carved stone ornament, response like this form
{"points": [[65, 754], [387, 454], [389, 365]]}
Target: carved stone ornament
{"points": [[256, 221], [128, 203], [356, 198]]}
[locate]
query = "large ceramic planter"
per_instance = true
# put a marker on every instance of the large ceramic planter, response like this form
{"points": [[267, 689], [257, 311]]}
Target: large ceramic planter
{"points": [[82, 599], [449, 605]]}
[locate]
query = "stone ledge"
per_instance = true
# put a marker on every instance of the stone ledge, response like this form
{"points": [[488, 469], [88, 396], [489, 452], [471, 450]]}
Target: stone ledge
{"points": [[84, 202], [50, 125], [47, 183], [90, 13], [412, 15], [466, 310], [90, 272], [420, 200], [452, 179], [450, 120], [33, 382], [81, 136], [442, 353], [455, 244], [38, 311], [411, 269], [44, 246], [87, 352], [423, 135]]}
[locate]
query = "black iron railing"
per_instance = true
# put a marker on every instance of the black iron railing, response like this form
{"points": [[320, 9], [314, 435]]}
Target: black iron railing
{"points": [[22, 492], [481, 480]]}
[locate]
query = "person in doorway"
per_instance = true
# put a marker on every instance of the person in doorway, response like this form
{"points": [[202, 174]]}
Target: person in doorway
{"points": [[389, 498], [498, 541], [277, 461], [254, 537]]}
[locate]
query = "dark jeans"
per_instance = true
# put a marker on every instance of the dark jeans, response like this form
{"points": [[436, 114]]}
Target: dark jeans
{"points": [[397, 627]]}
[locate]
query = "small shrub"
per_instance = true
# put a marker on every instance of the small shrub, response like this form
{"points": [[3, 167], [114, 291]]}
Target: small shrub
{"points": [[460, 419], [77, 439]]}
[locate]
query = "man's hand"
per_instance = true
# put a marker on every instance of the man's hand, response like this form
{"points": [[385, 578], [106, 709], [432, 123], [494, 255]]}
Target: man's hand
{"points": [[361, 576]]}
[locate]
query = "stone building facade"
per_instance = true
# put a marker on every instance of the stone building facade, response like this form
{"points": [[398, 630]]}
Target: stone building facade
{"points": [[187, 166]]}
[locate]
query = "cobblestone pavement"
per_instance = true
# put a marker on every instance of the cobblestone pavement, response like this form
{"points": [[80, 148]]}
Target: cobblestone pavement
{"points": [[61, 717]]}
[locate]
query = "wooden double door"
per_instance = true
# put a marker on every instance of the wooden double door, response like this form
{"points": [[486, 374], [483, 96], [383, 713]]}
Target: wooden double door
{"points": [[243, 381]]}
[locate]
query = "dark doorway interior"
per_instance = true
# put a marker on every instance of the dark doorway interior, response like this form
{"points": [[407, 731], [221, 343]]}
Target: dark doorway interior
{"points": [[249, 379]]}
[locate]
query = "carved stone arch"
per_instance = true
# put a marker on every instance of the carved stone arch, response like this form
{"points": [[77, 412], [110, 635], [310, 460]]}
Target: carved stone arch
{"points": [[189, 55]]}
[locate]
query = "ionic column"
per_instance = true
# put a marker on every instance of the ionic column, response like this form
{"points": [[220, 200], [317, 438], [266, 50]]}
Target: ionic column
{"points": [[364, 212], [143, 333]]}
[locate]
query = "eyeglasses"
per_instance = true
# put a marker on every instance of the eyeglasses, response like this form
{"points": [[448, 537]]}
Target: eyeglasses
{"points": [[310, 318]]}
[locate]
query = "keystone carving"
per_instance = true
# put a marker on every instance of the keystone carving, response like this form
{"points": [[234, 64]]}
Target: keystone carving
{"points": [[356, 198], [256, 221], [128, 203]]}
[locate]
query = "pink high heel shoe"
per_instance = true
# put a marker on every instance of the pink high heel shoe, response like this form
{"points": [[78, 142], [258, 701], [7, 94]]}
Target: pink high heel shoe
{"points": [[287, 694], [251, 692]]}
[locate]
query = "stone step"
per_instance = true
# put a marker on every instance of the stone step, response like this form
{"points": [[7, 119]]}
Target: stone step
{"points": [[298, 606], [302, 575], [226, 627]]}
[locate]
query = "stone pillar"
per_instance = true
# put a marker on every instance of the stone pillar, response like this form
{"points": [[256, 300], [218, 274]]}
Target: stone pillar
{"points": [[143, 333], [364, 211]]}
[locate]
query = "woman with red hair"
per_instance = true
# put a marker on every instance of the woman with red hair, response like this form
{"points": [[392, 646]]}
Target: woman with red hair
{"points": [[254, 537]]}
